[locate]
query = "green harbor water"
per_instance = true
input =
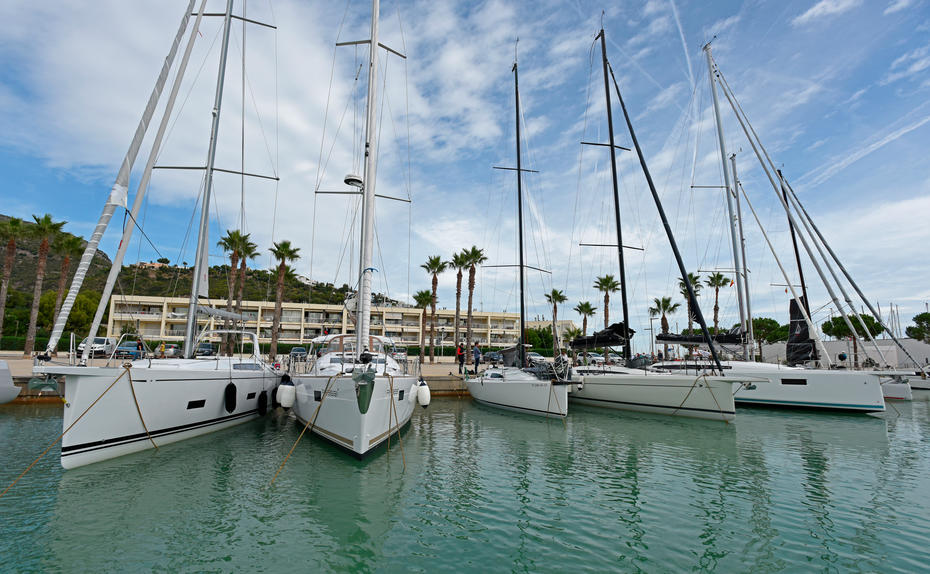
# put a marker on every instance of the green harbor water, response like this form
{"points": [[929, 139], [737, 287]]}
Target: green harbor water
{"points": [[485, 491]]}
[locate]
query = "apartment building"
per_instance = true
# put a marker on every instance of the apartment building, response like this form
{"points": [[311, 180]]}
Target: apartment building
{"points": [[164, 319]]}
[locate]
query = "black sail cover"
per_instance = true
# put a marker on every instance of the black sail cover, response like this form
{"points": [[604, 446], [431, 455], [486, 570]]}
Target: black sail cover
{"points": [[612, 336], [800, 347]]}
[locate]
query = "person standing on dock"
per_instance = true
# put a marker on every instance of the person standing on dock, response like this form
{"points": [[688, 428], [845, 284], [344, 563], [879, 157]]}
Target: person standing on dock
{"points": [[477, 354], [460, 356]]}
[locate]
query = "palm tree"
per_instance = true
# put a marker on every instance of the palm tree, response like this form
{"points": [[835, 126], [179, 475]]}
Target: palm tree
{"points": [[45, 229], [695, 281], [606, 284], [283, 252], [459, 262], [571, 334], [475, 258], [555, 297], [247, 250], [716, 281], [10, 231], [433, 266], [663, 307], [67, 246], [586, 310], [230, 243], [422, 299]]}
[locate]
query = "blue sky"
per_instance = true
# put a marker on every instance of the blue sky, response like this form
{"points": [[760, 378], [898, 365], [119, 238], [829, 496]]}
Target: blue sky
{"points": [[837, 89]]}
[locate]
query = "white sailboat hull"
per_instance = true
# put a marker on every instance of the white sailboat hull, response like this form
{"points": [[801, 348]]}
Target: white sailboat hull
{"points": [[636, 390], [778, 385], [330, 405], [520, 392], [178, 399], [8, 391]]}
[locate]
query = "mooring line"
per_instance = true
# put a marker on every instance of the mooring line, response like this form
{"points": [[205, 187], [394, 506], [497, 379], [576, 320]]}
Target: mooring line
{"points": [[310, 423], [28, 468]]}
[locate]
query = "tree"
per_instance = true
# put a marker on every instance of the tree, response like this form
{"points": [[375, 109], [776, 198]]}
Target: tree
{"points": [[837, 328], [45, 229], [231, 243], [662, 308], [586, 310], [422, 299], [768, 331], [539, 339], [695, 281], [10, 230], [475, 258], [163, 260], [433, 266], [715, 281], [247, 250], [460, 263], [921, 328], [607, 285], [284, 253], [67, 246], [554, 298], [571, 334]]}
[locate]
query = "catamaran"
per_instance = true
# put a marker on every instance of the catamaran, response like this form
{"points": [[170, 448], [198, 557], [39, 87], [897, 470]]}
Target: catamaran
{"points": [[120, 408], [354, 392]]}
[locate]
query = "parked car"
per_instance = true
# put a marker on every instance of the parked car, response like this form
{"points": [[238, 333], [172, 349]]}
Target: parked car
{"points": [[493, 357], [205, 349], [298, 354], [173, 351], [535, 357], [591, 359], [129, 350], [101, 346], [614, 358]]}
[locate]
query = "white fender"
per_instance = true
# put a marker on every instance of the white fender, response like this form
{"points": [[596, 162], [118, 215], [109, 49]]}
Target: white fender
{"points": [[423, 394], [412, 395], [286, 395]]}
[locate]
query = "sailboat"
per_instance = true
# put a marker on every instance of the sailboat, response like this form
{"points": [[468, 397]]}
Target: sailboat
{"points": [[780, 385], [513, 384], [355, 393], [623, 387], [117, 409]]}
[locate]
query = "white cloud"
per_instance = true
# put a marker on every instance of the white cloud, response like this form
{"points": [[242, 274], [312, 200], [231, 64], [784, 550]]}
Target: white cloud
{"points": [[897, 6], [823, 9]]}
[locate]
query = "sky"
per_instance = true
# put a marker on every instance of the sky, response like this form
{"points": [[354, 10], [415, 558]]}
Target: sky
{"points": [[838, 91]]}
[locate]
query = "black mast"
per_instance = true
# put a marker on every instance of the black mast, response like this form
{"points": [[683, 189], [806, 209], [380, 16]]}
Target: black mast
{"points": [[627, 354], [521, 352], [668, 230]]}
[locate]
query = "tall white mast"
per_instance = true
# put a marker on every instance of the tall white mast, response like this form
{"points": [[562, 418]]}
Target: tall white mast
{"points": [[200, 259], [119, 191], [368, 191], [729, 194]]}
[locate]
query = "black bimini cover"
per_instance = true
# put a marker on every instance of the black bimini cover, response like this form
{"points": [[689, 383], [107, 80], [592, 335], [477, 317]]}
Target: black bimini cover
{"points": [[800, 347], [731, 337], [612, 336]]}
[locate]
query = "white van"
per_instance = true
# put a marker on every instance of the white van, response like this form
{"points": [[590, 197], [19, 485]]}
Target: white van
{"points": [[101, 346]]}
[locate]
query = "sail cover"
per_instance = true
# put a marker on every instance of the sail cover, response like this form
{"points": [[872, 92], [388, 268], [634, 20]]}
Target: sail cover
{"points": [[731, 337], [800, 347], [612, 336]]}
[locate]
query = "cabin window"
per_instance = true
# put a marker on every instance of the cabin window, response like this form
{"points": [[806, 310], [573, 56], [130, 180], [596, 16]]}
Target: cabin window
{"points": [[317, 396], [196, 404], [250, 396], [794, 381], [400, 395]]}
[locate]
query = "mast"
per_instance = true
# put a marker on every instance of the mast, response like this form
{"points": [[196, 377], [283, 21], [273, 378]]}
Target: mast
{"points": [[729, 193], [521, 351], [742, 246], [627, 354], [668, 231], [119, 191], [200, 261], [794, 242], [362, 323]]}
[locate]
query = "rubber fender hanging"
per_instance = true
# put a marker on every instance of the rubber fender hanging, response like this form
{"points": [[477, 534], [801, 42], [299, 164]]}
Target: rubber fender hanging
{"points": [[262, 403], [230, 397]]}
